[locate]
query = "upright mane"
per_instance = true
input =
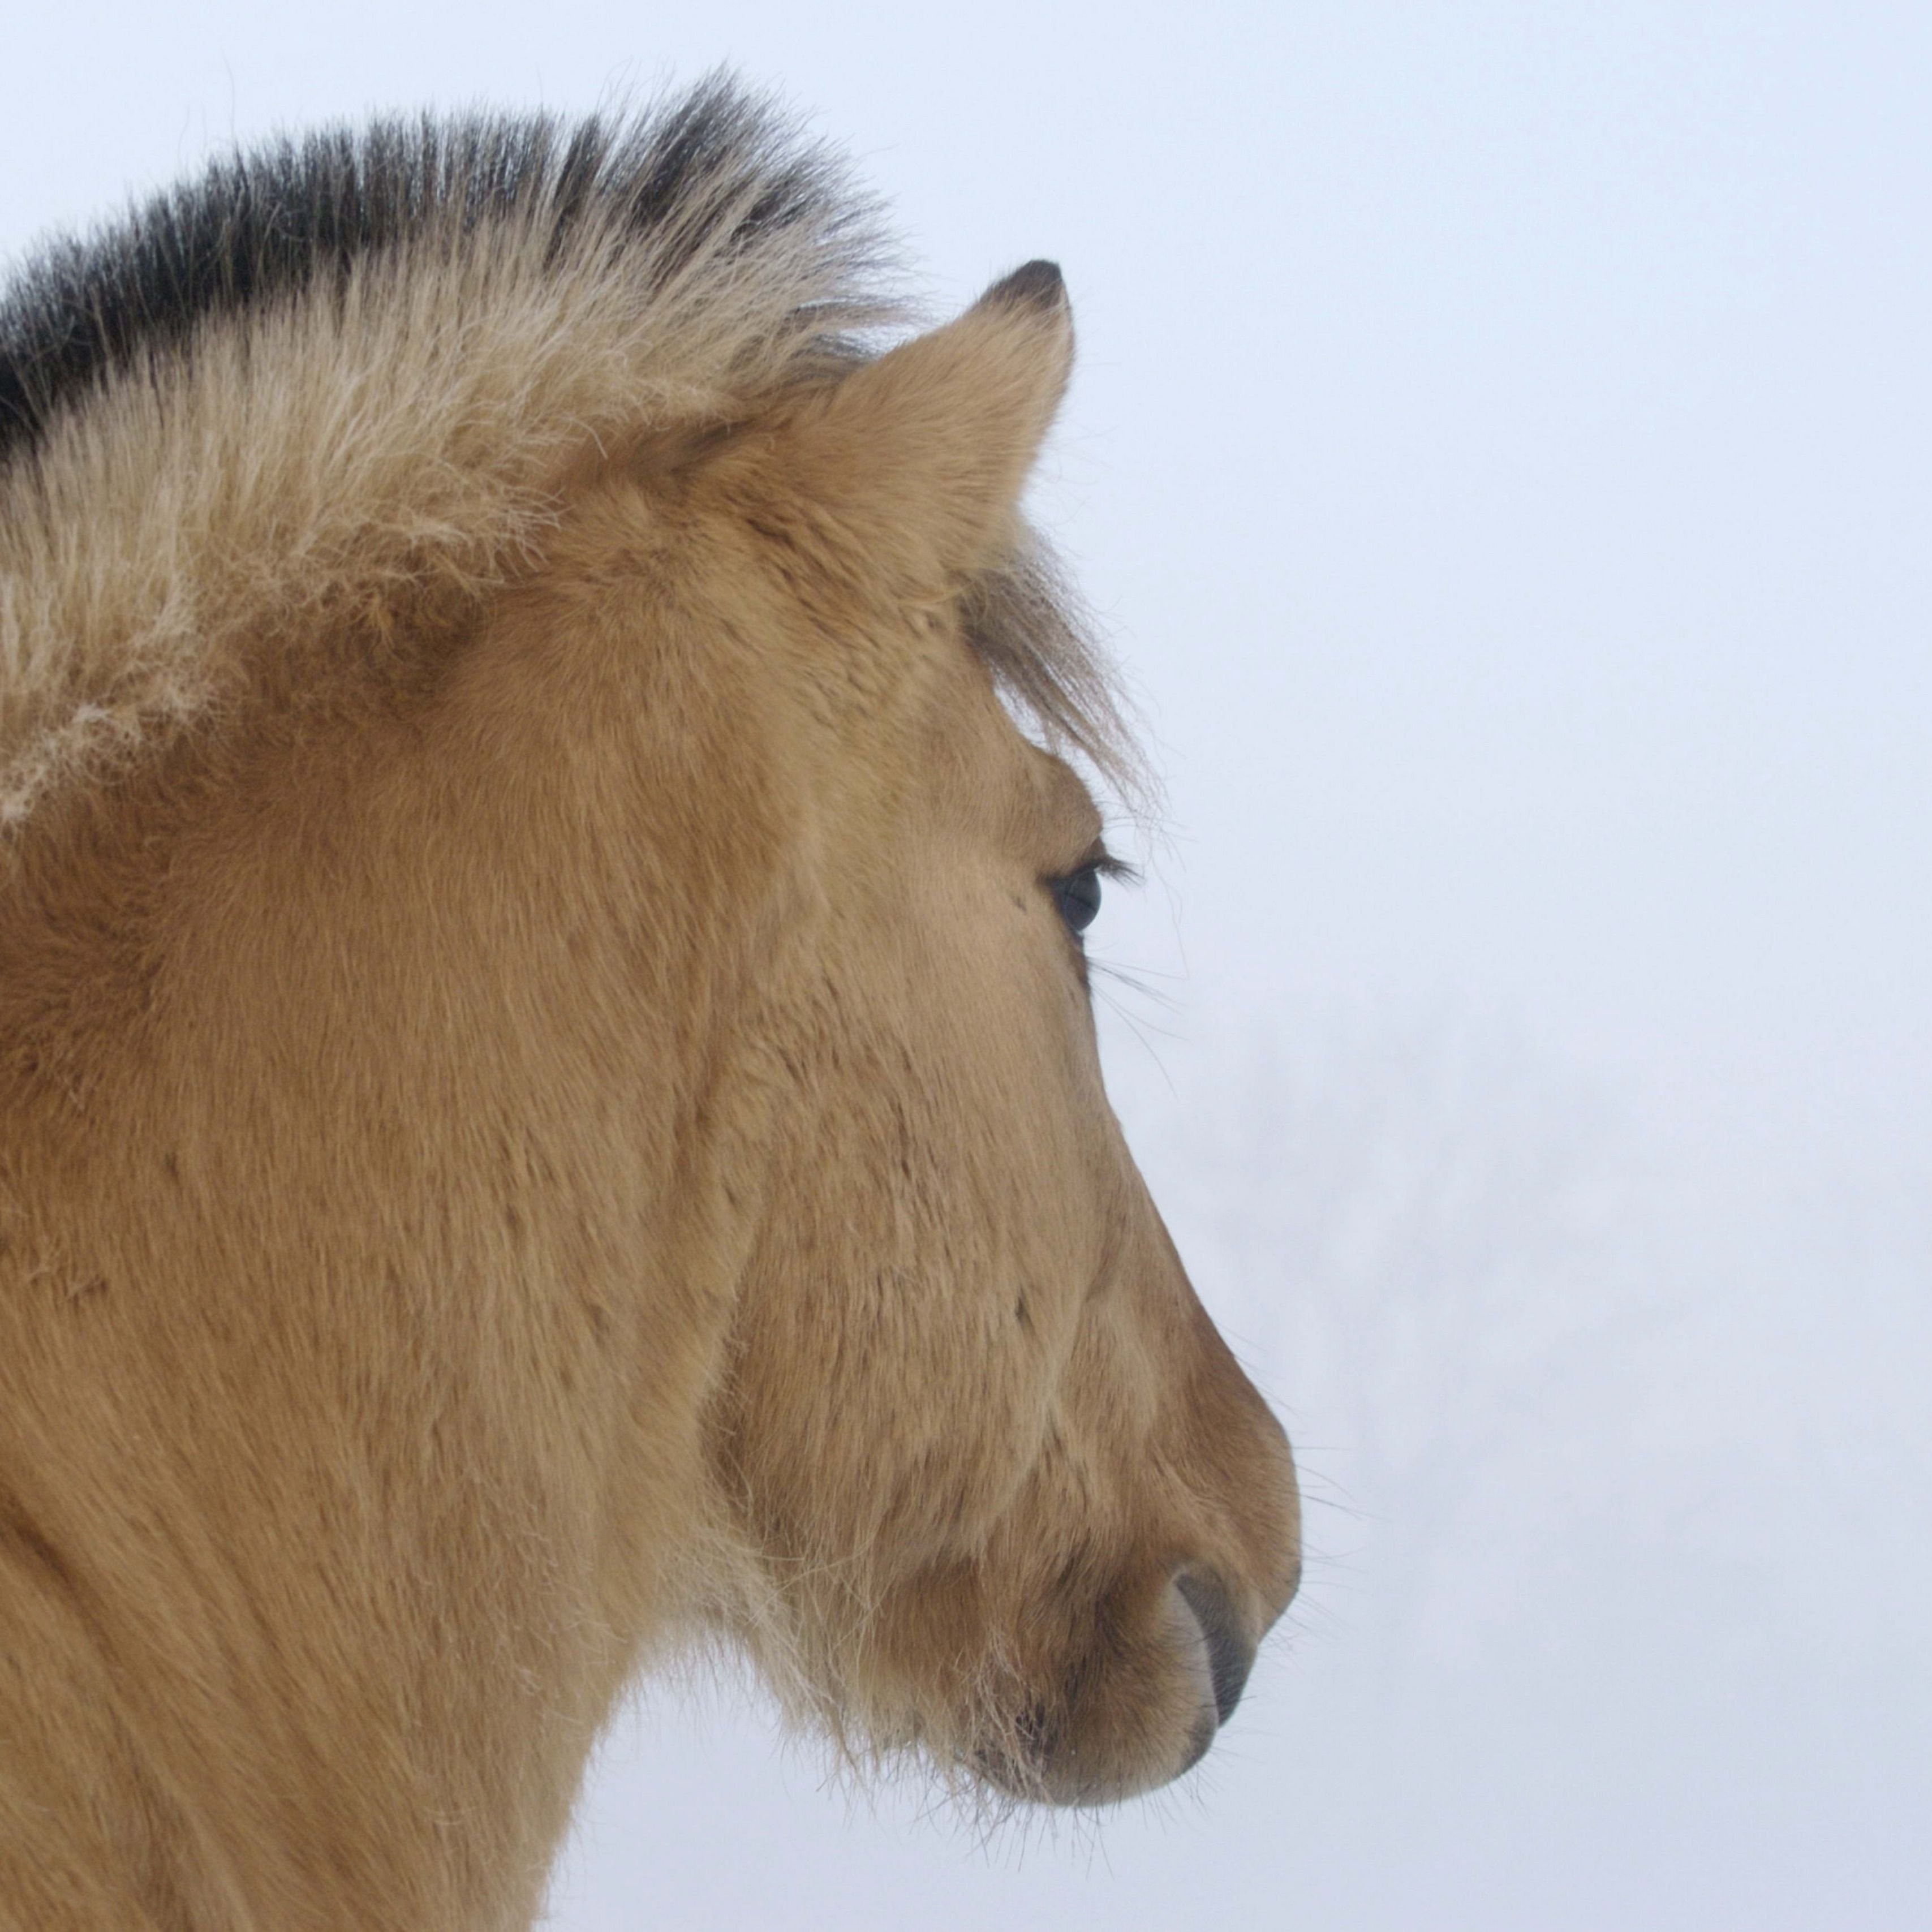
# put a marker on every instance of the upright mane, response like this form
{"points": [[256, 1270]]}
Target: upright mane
{"points": [[332, 390], [715, 187]]}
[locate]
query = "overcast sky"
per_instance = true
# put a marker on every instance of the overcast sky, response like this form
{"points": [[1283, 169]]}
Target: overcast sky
{"points": [[1501, 453]]}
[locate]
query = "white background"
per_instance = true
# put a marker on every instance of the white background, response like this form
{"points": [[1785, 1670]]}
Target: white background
{"points": [[1500, 453]]}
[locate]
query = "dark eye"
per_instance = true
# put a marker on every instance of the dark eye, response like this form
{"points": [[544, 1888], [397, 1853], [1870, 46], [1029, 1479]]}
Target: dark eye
{"points": [[1078, 896]]}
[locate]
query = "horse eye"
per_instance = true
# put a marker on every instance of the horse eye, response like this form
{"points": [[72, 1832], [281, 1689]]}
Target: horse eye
{"points": [[1078, 896]]}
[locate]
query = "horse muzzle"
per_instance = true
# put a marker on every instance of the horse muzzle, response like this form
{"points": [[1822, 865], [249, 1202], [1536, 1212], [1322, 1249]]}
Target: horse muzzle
{"points": [[1164, 1674]]}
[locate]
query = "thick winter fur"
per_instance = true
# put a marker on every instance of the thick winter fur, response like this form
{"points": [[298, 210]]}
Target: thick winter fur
{"points": [[547, 1110]]}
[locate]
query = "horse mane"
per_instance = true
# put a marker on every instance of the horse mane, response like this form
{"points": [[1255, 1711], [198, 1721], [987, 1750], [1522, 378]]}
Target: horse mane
{"points": [[334, 391]]}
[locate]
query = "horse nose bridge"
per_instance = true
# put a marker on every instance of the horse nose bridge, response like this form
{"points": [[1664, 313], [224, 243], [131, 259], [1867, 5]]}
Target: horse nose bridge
{"points": [[1243, 1498], [1228, 1503]]}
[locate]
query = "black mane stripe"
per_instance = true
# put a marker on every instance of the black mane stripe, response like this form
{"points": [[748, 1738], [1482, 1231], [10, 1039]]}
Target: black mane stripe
{"points": [[336, 378], [274, 222]]}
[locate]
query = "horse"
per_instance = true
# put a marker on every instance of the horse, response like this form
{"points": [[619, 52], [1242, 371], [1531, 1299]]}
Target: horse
{"points": [[550, 1110]]}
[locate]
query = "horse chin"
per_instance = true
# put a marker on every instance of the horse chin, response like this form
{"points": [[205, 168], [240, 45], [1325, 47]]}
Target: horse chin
{"points": [[1140, 1715]]}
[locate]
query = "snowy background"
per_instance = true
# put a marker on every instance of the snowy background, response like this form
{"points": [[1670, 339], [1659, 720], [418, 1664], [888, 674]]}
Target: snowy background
{"points": [[1501, 452]]}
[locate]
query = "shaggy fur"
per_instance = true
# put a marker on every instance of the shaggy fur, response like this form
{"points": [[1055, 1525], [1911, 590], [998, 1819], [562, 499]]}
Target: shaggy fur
{"points": [[344, 382], [547, 1108]]}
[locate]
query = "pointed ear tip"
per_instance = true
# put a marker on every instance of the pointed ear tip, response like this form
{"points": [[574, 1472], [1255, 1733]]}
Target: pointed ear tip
{"points": [[1035, 285]]}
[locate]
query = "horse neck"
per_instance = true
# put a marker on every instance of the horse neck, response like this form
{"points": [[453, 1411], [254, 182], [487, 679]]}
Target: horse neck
{"points": [[369, 1268]]}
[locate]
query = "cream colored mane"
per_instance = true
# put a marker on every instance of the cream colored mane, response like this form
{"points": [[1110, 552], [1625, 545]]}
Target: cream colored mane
{"points": [[387, 428]]}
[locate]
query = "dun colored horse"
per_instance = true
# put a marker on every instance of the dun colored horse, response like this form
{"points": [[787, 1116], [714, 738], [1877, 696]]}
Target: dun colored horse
{"points": [[548, 1102]]}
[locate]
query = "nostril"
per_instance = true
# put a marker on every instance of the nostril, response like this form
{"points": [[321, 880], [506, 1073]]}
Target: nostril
{"points": [[1231, 1655]]}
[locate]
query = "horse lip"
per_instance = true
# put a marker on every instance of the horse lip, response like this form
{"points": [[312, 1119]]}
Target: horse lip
{"points": [[1032, 1761], [1230, 1652]]}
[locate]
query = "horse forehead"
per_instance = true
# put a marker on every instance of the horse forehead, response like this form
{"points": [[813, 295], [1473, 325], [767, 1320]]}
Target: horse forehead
{"points": [[980, 773], [1064, 802]]}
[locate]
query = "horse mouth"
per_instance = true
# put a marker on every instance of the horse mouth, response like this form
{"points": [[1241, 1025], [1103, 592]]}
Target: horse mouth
{"points": [[1106, 1742]]}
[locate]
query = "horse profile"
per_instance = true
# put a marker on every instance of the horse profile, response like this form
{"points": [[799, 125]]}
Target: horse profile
{"points": [[549, 1108]]}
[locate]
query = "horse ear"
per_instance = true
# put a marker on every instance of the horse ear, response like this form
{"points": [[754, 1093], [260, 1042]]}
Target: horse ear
{"points": [[921, 455]]}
